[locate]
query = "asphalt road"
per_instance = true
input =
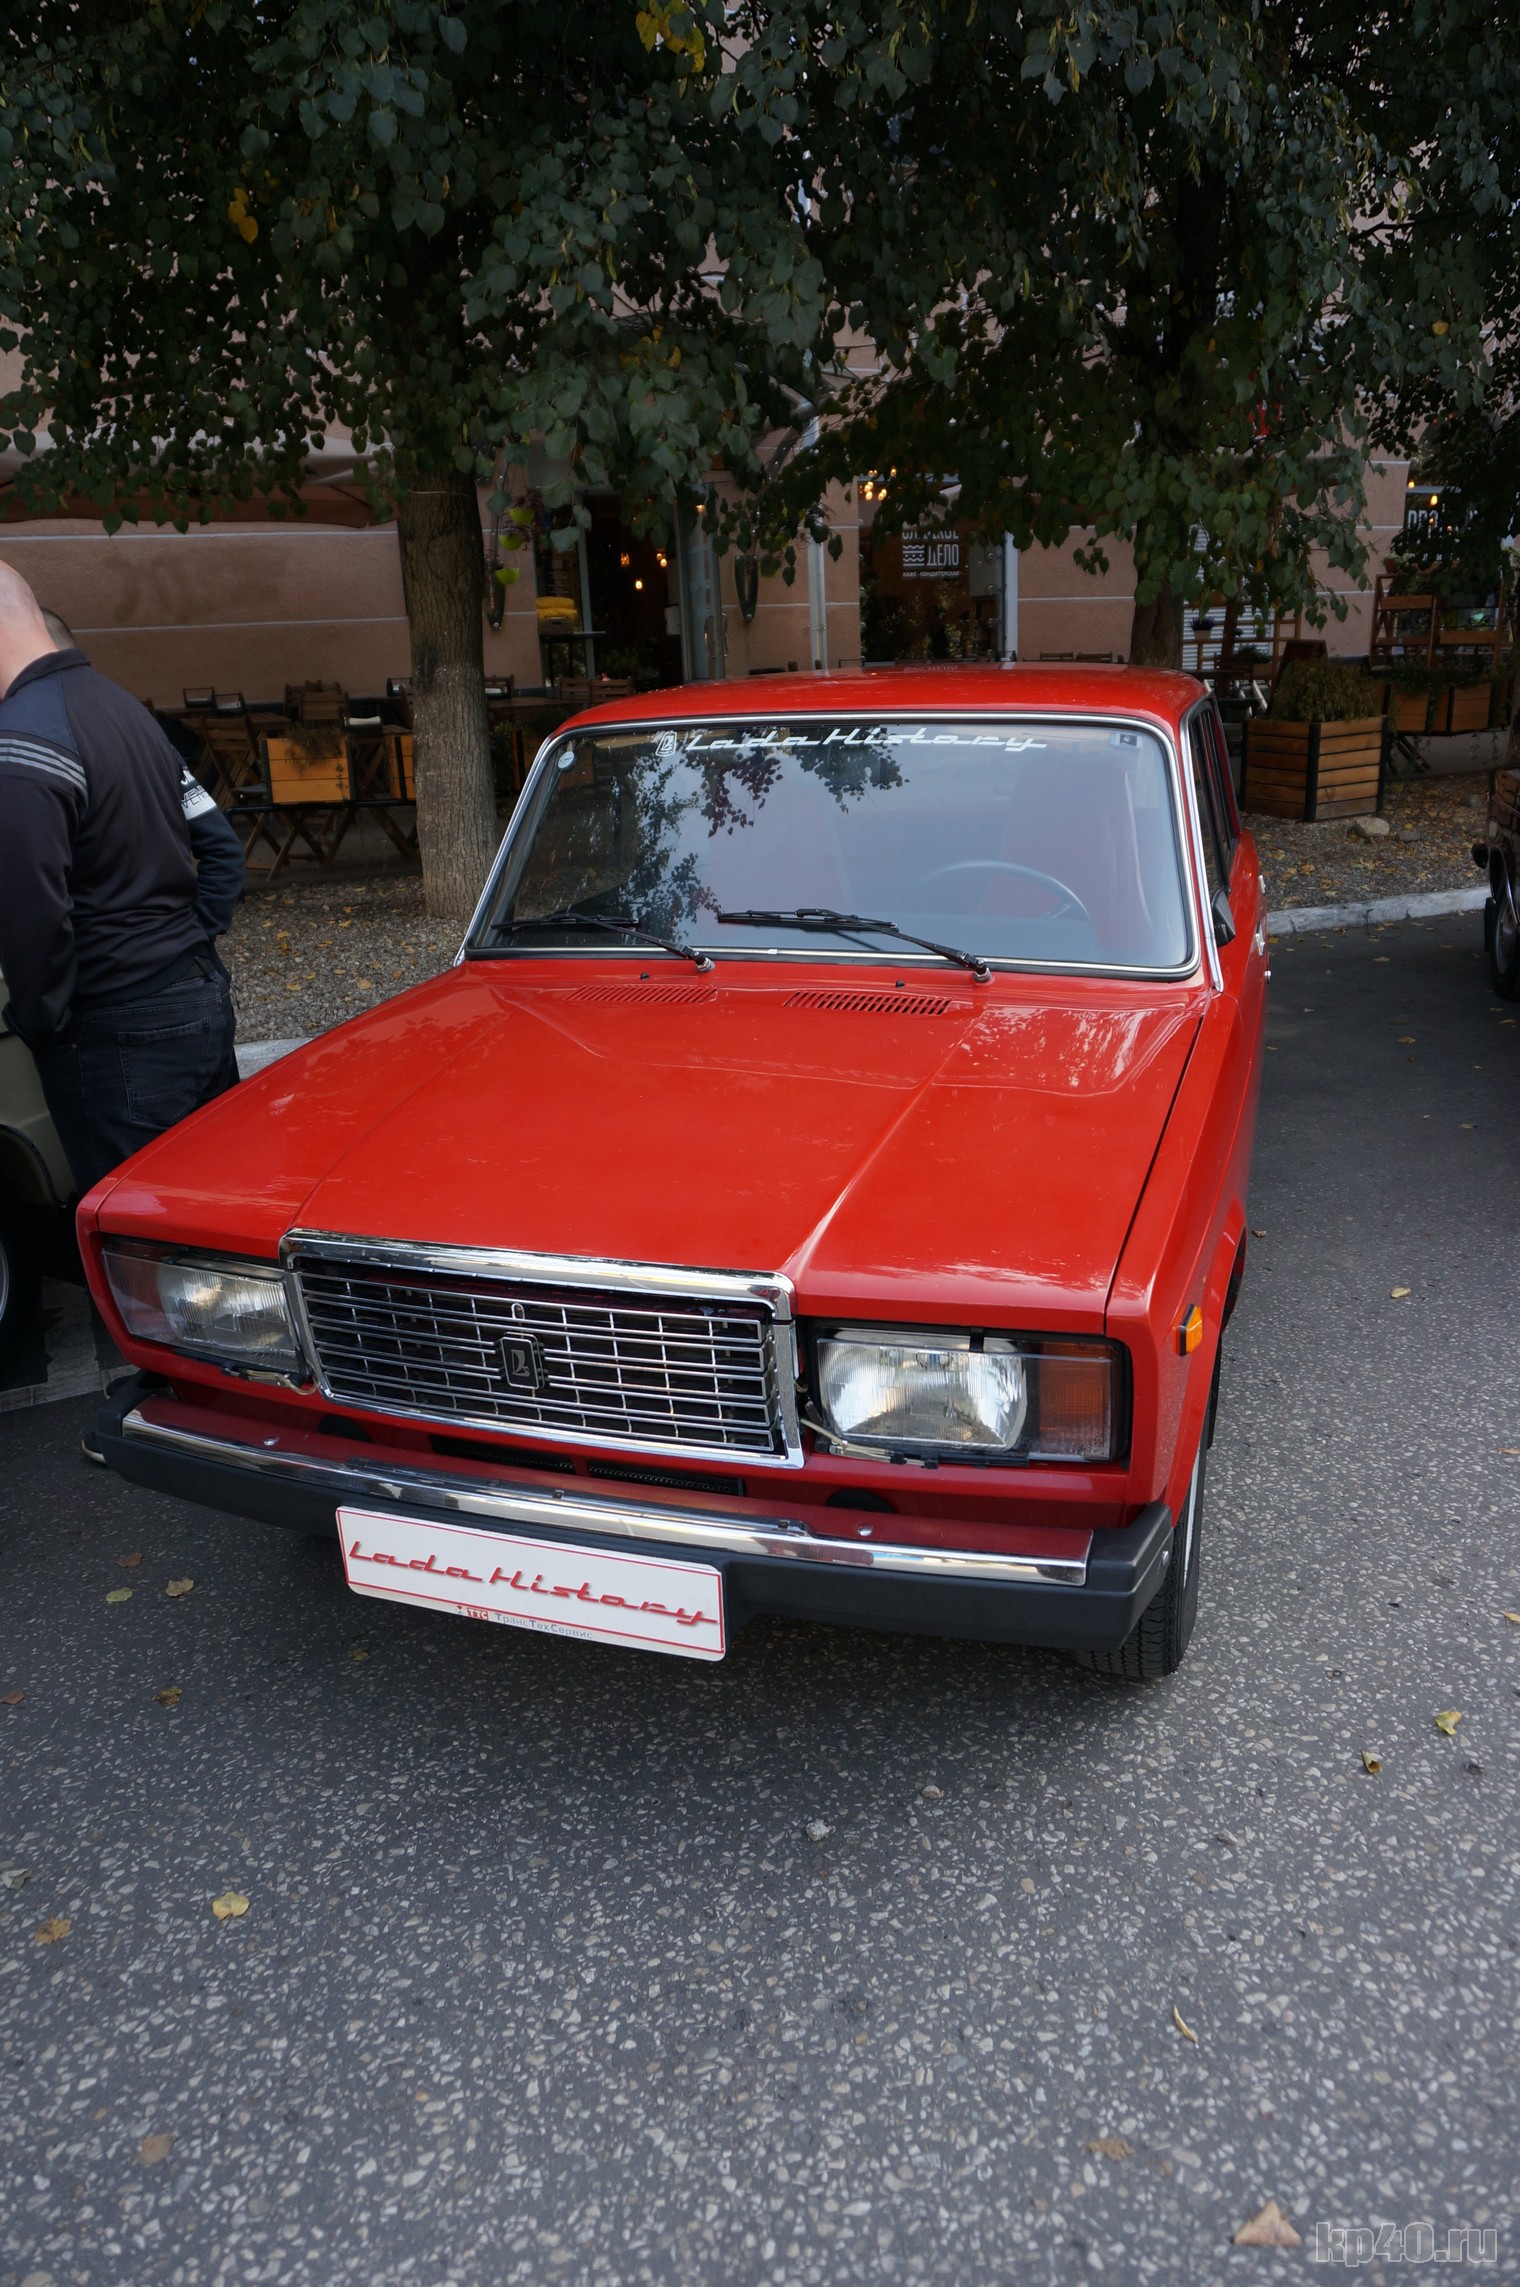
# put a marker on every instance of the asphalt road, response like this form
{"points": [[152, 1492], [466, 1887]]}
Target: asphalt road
{"points": [[542, 1978]]}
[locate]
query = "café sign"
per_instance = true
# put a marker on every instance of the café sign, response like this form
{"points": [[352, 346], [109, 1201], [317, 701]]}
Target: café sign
{"points": [[931, 555]]}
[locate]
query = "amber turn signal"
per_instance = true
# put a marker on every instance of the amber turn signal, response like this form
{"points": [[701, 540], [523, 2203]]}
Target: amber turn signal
{"points": [[1190, 1332]]}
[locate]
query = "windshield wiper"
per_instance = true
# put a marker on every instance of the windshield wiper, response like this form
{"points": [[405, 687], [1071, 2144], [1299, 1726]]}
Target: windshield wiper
{"points": [[843, 924], [572, 917]]}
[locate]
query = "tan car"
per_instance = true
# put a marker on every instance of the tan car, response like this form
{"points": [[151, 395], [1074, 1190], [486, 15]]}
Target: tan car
{"points": [[35, 1185]]}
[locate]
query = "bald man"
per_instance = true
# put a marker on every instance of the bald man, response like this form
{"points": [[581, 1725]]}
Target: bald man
{"points": [[117, 875]]}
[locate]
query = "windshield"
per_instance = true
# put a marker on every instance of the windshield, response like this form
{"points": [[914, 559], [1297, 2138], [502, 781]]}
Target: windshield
{"points": [[1052, 843]]}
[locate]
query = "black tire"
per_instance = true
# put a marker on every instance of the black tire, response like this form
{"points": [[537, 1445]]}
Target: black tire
{"points": [[1504, 945], [20, 1275], [1155, 1645]]}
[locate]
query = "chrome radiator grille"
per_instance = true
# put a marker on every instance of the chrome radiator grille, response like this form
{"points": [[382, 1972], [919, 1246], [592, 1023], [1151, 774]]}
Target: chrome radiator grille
{"points": [[667, 1372]]}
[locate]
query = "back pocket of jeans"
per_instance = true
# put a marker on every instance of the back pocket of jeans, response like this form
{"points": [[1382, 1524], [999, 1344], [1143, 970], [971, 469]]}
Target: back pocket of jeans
{"points": [[168, 1070]]}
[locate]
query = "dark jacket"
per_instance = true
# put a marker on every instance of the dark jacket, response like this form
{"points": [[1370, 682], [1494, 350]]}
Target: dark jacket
{"points": [[115, 864]]}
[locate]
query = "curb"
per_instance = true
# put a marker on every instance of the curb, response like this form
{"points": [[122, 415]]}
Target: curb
{"points": [[253, 1055], [1426, 905]]}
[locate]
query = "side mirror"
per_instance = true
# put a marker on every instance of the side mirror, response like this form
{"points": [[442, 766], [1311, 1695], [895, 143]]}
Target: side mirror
{"points": [[1225, 931]]}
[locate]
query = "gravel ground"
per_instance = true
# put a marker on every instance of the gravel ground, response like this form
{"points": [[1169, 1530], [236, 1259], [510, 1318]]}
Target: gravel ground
{"points": [[1433, 823], [305, 957]]}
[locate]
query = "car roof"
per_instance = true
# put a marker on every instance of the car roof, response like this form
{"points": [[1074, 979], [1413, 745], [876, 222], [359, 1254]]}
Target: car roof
{"points": [[1160, 693]]}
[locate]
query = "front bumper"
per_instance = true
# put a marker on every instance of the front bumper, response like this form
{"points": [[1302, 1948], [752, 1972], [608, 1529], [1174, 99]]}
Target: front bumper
{"points": [[1086, 1598]]}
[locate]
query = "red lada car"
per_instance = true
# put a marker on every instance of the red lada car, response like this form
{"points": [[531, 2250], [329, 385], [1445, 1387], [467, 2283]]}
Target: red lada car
{"points": [[818, 1188]]}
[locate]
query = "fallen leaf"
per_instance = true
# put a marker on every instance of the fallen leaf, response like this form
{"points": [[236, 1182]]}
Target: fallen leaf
{"points": [[15, 1877], [1447, 1721], [128, 1563], [1269, 2229], [1258, 1234], [170, 1696], [1380, 960], [230, 1907], [1397, 1293], [1469, 1125], [179, 1587], [1512, 1450], [365, 984], [1182, 2026], [55, 1927], [1514, 1616], [1111, 2148], [358, 1653], [117, 1595], [1406, 1040], [13, 1698], [155, 2148], [1370, 1763]]}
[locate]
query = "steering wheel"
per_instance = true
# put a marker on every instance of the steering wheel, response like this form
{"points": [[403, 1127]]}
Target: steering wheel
{"points": [[1070, 903]]}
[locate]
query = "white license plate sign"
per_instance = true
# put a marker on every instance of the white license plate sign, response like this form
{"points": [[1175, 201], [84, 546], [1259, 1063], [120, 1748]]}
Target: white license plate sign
{"points": [[550, 1586]]}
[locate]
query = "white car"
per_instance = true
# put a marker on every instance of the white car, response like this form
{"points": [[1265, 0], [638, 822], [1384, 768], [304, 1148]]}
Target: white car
{"points": [[35, 1184]]}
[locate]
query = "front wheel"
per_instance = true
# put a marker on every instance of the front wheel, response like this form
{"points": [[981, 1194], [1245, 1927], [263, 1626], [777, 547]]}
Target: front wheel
{"points": [[1155, 1645], [1504, 943]]}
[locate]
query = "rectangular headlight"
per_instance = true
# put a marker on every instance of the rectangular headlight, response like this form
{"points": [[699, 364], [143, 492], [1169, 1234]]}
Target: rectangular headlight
{"points": [[1033, 1397], [209, 1306]]}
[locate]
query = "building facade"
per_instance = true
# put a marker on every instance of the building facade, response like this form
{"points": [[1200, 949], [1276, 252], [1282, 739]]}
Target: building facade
{"points": [[254, 606]]}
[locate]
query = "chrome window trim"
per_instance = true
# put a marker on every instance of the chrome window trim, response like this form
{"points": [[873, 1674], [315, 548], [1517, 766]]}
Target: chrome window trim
{"points": [[1201, 953], [771, 1289], [694, 1531], [1196, 830]]}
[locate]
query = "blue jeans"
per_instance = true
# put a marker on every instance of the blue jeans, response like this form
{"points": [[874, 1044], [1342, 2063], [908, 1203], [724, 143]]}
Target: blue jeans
{"points": [[126, 1070]]}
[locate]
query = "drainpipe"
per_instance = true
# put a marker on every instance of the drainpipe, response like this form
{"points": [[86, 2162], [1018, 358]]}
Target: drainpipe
{"points": [[1010, 600], [818, 610]]}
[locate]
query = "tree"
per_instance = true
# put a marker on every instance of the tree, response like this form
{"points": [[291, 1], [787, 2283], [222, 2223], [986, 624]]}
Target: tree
{"points": [[1149, 276], [1461, 115], [228, 226]]}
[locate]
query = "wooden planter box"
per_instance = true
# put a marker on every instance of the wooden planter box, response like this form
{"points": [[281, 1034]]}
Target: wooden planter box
{"points": [[1314, 770], [1463, 707], [296, 775], [1408, 711]]}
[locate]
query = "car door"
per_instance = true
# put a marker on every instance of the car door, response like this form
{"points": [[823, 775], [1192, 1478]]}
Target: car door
{"points": [[1230, 864]]}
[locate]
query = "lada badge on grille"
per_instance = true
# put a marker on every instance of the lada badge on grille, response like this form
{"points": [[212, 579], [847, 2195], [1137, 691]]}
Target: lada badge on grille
{"points": [[522, 1362]]}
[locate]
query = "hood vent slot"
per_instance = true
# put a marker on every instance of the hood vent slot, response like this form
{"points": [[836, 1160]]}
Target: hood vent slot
{"points": [[875, 1004], [651, 996]]}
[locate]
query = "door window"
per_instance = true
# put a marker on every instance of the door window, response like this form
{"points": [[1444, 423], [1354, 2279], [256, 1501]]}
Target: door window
{"points": [[1216, 846]]}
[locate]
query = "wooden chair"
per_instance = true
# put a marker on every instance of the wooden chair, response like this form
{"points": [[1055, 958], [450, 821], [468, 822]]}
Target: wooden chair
{"points": [[319, 704], [230, 763]]}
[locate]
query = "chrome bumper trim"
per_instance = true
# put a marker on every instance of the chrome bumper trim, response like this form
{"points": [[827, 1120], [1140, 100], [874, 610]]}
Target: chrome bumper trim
{"points": [[698, 1530]]}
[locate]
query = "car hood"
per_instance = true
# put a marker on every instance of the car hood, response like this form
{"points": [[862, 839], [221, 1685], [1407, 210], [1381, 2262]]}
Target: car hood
{"points": [[950, 1150]]}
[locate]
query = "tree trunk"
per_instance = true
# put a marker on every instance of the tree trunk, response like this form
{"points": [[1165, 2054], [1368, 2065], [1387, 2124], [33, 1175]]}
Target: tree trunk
{"points": [[442, 572], [1155, 636]]}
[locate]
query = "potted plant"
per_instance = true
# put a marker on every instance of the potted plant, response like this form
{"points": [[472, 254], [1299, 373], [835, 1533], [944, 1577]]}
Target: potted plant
{"points": [[1319, 750]]}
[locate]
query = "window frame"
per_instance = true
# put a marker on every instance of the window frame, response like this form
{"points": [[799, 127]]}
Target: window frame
{"points": [[1199, 954]]}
